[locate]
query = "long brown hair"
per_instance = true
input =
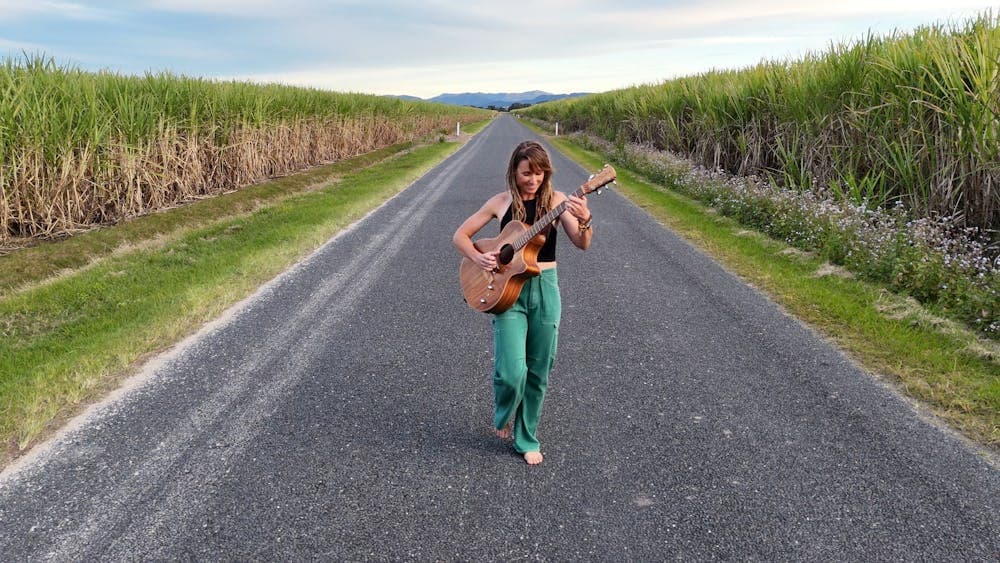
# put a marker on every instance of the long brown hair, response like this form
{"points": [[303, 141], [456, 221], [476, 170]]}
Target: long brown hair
{"points": [[538, 159]]}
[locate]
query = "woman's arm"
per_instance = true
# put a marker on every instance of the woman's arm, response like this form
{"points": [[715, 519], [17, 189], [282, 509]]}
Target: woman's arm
{"points": [[576, 220], [462, 239]]}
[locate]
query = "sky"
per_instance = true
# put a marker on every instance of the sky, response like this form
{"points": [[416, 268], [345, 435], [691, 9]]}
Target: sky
{"points": [[426, 48]]}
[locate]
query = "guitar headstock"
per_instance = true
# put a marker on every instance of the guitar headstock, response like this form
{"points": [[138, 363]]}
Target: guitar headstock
{"points": [[597, 181]]}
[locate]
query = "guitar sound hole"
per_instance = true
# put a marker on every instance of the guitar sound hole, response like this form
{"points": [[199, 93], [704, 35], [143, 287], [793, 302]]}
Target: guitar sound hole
{"points": [[506, 254]]}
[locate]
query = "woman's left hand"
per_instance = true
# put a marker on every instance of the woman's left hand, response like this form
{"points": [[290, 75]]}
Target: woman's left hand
{"points": [[578, 207]]}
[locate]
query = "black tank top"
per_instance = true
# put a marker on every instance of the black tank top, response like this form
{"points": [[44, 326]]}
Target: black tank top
{"points": [[548, 251]]}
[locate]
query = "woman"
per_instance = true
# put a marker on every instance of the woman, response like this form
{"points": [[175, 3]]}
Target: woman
{"points": [[524, 336]]}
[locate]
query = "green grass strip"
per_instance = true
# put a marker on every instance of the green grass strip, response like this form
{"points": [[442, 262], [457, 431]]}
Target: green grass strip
{"points": [[945, 367], [68, 340]]}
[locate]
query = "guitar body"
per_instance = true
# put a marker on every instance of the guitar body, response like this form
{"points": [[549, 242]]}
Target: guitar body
{"points": [[495, 292]]}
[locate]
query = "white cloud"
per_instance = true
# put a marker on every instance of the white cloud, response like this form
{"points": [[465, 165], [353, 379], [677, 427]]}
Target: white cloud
{"points": [[424, 81], [727, 40], [737, 11], [596, 73], [11, 10], [288, 9], [380, 32]]}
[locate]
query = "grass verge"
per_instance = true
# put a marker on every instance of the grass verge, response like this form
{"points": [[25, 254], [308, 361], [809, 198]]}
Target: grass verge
{"points": [[69, 336], [945, 367]]}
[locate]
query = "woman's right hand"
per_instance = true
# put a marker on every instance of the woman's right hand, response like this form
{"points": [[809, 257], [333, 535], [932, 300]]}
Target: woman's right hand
{"points": [[487, 260]]}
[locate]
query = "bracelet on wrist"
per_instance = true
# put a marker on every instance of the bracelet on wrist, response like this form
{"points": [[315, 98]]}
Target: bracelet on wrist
{"points": [[585, 225]]}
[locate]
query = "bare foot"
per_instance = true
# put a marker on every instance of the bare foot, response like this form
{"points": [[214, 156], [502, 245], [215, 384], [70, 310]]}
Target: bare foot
{"points": [[504, 433], [533, 458]]}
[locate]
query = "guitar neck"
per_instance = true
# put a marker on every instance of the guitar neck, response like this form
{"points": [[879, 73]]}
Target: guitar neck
{"points": [[544, 222]]}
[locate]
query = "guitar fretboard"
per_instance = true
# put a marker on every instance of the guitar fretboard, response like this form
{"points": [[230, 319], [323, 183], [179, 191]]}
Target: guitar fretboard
{"points": [[546, 219]]}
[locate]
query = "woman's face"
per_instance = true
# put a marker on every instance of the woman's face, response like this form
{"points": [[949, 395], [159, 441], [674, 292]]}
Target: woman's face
{"points": [[528, 181]]}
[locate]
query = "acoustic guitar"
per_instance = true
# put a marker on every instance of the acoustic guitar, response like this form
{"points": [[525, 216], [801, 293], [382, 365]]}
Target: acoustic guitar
{"points": [[495, 291]]}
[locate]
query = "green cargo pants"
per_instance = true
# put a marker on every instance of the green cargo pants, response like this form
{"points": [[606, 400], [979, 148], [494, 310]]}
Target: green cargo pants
{"points": [[524, 347]]}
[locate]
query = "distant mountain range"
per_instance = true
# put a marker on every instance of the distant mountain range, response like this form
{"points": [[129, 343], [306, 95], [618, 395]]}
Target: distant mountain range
{"points": [[499, 100]]}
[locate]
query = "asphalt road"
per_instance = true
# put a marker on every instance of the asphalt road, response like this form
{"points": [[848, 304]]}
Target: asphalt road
{"points": [[343, 414]]}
